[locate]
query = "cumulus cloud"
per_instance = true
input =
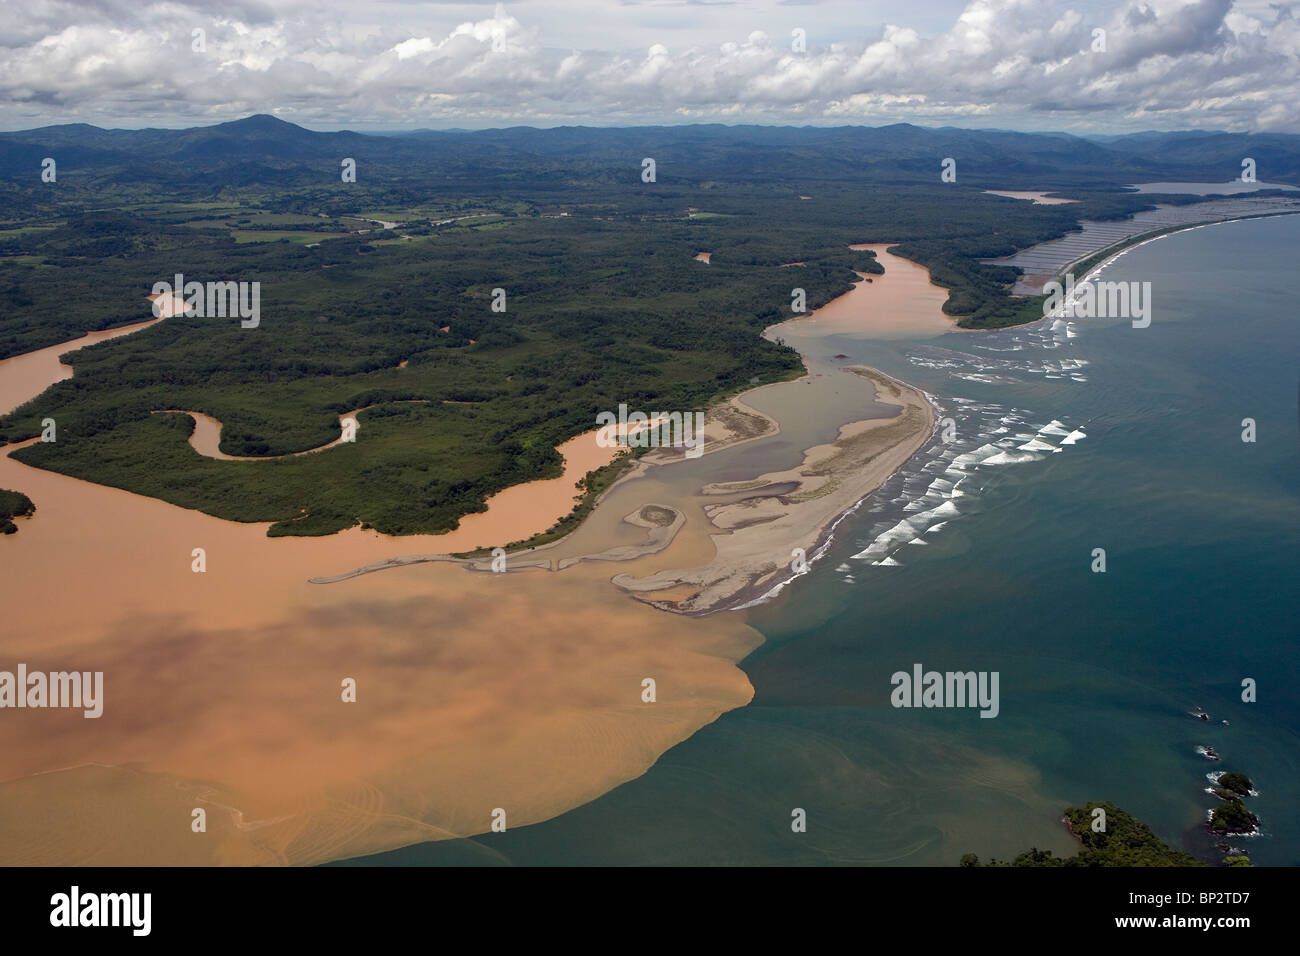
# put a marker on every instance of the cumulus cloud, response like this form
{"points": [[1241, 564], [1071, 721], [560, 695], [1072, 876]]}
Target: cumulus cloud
{"points": [[1022, 63]]}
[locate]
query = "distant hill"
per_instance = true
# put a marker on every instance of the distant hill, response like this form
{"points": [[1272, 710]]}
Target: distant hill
{"points": [[266, 149]]}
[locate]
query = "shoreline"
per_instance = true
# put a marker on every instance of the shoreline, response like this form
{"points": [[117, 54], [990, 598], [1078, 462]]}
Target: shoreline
{"points": [[828, 535], [1138, 241], [741, 572], [1108, 254], [445, 731], [737, 577], [755, 538], [741, 577]]}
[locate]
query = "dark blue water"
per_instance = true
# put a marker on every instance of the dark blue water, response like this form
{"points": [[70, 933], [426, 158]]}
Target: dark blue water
{"points": [[1098, 671]]}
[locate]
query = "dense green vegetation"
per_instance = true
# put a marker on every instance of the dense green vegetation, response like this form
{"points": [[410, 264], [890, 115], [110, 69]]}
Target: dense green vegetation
{"points": [[605, 303], [1125, 842], [1236, 782], [476, 409], [1231, 816], [13, 504]]}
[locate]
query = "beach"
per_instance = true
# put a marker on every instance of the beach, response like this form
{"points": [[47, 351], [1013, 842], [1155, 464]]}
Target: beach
{"points": [[790, 512]]}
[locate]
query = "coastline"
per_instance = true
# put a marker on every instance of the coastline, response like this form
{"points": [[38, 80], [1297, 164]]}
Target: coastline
{"points": [[286, 780], [753, 540], [1098, 260], [1138, 241], [830, 484], [289, 774]]}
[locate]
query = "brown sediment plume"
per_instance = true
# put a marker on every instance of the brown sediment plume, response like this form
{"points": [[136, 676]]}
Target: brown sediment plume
{"points": [[474, 692], [222, 689], [518, 691]]}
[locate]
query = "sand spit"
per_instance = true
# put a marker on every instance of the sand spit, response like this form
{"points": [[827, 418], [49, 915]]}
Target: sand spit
{"points": [[661, 522], [726, 424], [757, 536], [1055, 257], [750, 541], [1039, 199]]}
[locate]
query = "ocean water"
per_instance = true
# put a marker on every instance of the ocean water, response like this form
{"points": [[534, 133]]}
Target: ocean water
{"points": [[978, 556]]}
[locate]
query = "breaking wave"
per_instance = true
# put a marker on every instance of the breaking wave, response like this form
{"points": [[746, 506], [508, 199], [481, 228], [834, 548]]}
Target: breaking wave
{"points": [[943, 481]]}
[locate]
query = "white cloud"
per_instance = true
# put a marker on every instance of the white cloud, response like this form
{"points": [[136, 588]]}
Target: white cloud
{"points": [[1026, 63]]}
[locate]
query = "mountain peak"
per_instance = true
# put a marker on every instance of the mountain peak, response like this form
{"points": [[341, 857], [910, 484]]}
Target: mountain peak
{"points": [[261, 122]]}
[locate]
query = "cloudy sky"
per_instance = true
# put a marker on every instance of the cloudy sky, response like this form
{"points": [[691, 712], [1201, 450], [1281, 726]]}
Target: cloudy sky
{"points": [[335, 64]]}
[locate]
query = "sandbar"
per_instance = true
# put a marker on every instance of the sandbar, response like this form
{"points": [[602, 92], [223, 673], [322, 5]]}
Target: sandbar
{"points": [[1039, 199]]}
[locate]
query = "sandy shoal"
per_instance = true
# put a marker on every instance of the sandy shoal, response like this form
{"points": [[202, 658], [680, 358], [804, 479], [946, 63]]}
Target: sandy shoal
{"points": [[755, 538], [1041, 199]]}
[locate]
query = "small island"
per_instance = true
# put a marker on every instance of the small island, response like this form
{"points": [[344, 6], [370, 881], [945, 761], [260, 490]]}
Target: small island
{"points": [[1232, 817], [1238, 783], [13, 504]]}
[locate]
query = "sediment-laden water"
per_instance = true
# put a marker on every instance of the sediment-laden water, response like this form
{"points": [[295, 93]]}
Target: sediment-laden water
{"points": [[978, 555]]}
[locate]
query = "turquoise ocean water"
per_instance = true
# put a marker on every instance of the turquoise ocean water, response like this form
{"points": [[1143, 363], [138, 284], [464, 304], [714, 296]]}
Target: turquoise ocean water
{"points": [[978, 556]]}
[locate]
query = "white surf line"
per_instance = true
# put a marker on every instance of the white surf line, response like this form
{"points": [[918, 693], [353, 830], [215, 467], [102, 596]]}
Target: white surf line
{"points": [[1109, 260], [821, 550]]}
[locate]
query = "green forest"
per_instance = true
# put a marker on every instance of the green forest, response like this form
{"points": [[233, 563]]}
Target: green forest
{"points": [[604, 302], [1126, 841], [13, 504]]}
